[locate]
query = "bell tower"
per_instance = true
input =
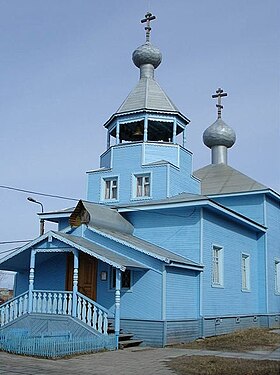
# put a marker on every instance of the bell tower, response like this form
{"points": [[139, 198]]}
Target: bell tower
{"points": [[146, 139]]}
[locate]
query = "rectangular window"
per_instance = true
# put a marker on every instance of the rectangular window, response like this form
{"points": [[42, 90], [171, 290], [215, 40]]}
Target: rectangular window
{"points": [[277, 276], [143, 186], [245, 272], [217, 266], [111, 188], [125, 279]]}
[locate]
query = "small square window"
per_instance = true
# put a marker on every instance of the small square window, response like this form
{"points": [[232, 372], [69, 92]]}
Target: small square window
{"points": [[111, 188], [125, 279], [143, 186]]}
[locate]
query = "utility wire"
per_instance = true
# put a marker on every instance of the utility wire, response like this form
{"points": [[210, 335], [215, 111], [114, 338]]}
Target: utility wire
{"points": [[17, 241], [9, 250], [38, 193]]}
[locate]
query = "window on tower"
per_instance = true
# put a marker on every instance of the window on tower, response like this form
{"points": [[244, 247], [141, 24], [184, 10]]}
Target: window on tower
{"points": [[142, 186], [111, 188]]}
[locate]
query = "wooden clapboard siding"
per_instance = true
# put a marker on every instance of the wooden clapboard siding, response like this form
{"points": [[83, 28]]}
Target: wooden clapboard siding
{"points": [[182, 330], [235, 240], [182, 294], [150, 331], [251, 205]]}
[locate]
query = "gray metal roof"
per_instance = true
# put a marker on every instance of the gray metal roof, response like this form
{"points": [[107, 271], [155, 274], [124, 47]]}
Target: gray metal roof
{"points": [[100, 252], [146, 247], [147, 95], [101, 216], [222, 179]]}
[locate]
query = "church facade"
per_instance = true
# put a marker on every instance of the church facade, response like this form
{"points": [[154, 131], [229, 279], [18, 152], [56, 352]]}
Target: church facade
{"points": [[156, 249]]}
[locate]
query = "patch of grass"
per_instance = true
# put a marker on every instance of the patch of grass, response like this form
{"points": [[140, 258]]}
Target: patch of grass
{"points": [[198, 365], [240, 341]]}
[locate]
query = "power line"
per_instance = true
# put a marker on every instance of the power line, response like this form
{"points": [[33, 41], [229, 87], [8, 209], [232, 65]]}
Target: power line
{"points": [[17, 241], [9, 250], [38, 193]]}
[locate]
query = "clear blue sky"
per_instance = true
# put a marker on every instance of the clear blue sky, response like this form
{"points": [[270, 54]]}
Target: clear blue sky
{"points": [[66, 67]]}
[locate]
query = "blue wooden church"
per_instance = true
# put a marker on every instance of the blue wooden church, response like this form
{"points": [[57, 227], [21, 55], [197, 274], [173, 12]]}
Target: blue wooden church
{"points": [[156, 250]]}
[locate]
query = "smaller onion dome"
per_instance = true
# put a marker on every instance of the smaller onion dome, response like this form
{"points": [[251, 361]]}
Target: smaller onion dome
{"points": [[219, 134], [147, 54]]}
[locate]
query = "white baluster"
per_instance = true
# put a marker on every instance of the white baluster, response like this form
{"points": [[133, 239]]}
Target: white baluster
{"points": [[69, 307], [11, 318], [89, 314], [64, 304], [100, 319], [16, 308], [105, 324], [25, 304], [59, 305], [20, 306], [39, 302], [44, 303], [84, 311], [7, 314], [2, 317], [54, 303], [49, 303], [94, 318], [79, 307]]}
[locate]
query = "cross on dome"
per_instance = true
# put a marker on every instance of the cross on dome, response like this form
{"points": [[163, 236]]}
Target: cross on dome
{"points": [[148, 18], [219, 94]]}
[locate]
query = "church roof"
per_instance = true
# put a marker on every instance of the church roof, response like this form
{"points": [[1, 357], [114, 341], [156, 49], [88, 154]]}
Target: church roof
{"points": [[223, 179], [146, 247], [147, 95]]}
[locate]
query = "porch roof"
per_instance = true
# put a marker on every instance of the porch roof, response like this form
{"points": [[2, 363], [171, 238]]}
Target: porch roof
{"points": [[19, 259]]}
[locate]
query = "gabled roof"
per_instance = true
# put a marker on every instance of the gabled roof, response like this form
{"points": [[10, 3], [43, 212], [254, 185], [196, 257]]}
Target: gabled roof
{"points": [[222, 179], [11, 262]]}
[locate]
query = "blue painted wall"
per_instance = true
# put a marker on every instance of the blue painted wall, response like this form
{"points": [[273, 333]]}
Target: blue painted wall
{"points": [[235, 240], [176, 229], [169, 165], [182, 294], [273, 251], [251, 205], [142, 301]]}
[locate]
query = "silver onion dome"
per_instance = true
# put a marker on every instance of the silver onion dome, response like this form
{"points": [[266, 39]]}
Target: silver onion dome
{"points": [[219, 134], [147, 54]]}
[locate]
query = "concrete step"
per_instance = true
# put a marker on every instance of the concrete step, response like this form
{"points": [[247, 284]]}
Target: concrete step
{"points": [[129, 343], [125, 336]]}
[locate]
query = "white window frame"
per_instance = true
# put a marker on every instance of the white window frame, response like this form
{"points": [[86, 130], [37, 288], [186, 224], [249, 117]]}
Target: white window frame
{"points": [[143, 189], [277, 276], [111, 188], [217, 266], [245, 272]]}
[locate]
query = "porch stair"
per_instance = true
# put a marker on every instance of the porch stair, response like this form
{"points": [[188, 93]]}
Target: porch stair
{"points": [[125, 339]]}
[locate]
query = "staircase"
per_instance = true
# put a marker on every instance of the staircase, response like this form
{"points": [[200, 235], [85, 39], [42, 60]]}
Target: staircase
{"points": [[125, 339]]}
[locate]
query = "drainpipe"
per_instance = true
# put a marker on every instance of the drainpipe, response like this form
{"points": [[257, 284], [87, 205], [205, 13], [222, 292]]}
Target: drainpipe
{"points": [[117, 306]]}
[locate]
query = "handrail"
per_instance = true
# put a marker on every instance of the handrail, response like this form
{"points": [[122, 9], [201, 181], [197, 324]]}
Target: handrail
{"points": [[13, 308], [58, 303]]}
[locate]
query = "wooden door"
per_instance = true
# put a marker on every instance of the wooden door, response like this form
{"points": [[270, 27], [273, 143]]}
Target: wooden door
{"points": [[87, 279]]}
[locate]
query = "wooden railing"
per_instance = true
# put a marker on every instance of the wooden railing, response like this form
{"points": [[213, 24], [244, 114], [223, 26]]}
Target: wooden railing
{"points": [[13, 309], [49, 302], [58, 303], [93, 314]]}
